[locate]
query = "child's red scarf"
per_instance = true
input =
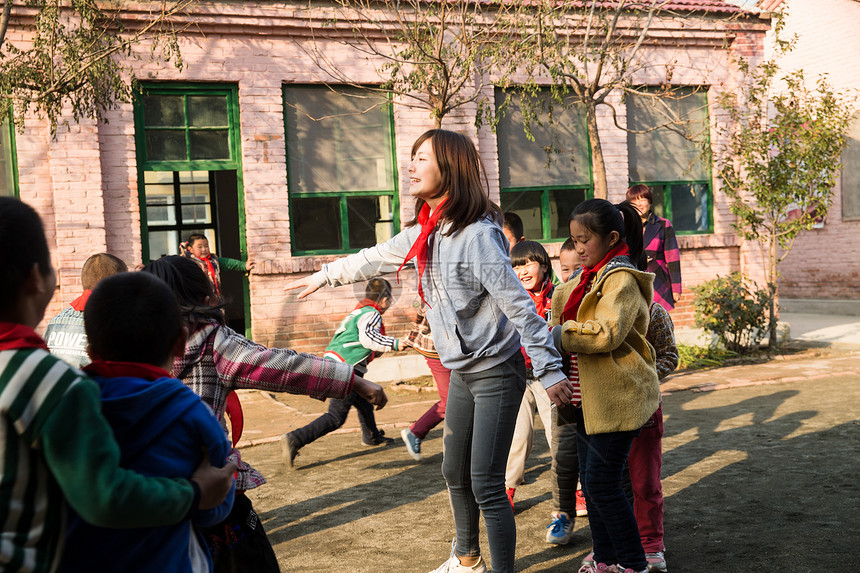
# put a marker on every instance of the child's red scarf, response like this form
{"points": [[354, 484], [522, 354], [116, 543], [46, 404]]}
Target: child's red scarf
{"points": [[79, 303], [14, 336], [585, 277], [428, 222]]}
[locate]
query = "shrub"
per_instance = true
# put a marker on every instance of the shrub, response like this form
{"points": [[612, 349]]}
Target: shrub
{"points": [[697, 357], [734, 309]]}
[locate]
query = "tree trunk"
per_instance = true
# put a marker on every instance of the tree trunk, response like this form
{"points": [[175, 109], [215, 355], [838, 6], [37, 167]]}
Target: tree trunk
{"points": [[598, 166], [771, 287]]}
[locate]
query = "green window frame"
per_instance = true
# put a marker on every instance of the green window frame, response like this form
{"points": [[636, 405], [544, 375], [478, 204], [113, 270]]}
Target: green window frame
{"points": [[669, 162], [8, 157], [543, 193], [342, 179], [185, 134]]}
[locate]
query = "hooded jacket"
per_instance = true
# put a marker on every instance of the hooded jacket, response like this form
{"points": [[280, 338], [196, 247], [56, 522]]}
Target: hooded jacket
{"points": [[160, 426], [617, 370]]}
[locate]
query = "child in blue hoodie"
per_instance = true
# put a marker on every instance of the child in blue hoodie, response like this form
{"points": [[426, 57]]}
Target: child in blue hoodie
{"points": [[161, 425]]}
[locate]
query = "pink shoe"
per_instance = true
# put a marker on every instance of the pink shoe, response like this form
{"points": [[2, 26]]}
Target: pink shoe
{"points": [[581, 509]]}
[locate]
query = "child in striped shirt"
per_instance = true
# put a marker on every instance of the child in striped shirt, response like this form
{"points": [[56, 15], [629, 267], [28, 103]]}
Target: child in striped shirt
{"points": [[57, 447], [357, 340]]}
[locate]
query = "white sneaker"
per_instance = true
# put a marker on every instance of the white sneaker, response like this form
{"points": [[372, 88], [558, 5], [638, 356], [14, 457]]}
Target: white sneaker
{"points": [[453, 565]]}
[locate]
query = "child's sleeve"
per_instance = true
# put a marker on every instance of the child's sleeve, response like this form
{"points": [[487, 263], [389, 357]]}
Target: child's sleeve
{"points": [[616, 311], [370, 336], [81, 452], [213, 438], [250, 365], [661, 335], [231, 264]]}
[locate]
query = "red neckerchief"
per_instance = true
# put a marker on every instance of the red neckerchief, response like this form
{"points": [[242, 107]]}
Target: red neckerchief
{"points": [[428, 221], [541, 298], [108, 369], [210, 270], [572, 305], [79, 303], [14, 336], [368, 302]]}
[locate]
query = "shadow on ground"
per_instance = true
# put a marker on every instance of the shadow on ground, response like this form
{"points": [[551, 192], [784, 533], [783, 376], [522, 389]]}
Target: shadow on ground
{"points": [[760, 478]]}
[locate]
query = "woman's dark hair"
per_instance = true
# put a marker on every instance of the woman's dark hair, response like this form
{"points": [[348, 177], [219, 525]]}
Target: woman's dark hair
{"points": [[23, 244], [526, 251], [463, 179], [190, 285], [639, 191], [602, 217]]}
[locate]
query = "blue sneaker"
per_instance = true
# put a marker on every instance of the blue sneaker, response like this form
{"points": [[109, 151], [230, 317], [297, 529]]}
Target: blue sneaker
{"points": [[413, 444], [559, 531]]}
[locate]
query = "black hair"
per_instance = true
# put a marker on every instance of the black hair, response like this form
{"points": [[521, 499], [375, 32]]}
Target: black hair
{"points": [[195, 237], [602, 217], [190, 285], [526, 251], [568, 245], [132, 317], [23, 244], [514, 224], [377, 289]]}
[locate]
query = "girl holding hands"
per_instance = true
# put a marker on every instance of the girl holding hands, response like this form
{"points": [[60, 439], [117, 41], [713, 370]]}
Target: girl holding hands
{"points": [[480, 315], [601, 317]]}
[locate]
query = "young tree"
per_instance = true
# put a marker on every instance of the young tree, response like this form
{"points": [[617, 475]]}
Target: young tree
{"points": [[589, 49], [75, 53], [781, 158], [436, 56]]}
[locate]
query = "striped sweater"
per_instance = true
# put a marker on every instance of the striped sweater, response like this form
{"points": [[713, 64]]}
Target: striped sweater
{"points": [[56, 444], [664, 259]]}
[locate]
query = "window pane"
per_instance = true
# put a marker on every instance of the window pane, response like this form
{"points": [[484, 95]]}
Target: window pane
{"points": [[196, 214], [207, 111], [213, 144], [370, 220], [658, 200], [664, 154], [160, 198], [337, 141], [528, 205], [523, 163], [163, 243], [562, 202], [316, 223], [163, 111], [7, 163], [851, 173], [690, 208], [165, 145]]}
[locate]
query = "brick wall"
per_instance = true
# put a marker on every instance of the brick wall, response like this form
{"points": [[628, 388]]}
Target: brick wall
{"points": [[828, 43], [84, 183]]}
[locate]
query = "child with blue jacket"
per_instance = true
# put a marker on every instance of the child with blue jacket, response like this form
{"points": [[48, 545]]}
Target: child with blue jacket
{"points": [[161, 425]]}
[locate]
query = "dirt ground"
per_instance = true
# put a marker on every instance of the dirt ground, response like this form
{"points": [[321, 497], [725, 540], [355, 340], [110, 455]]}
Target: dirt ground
{"points": [[758, 478]]}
